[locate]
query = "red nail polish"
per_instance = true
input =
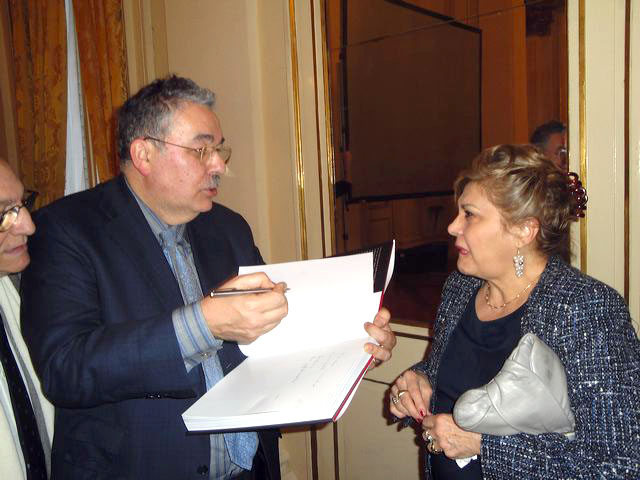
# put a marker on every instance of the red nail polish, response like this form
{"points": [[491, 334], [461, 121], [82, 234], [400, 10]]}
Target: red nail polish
{"points": [[422, 413]]}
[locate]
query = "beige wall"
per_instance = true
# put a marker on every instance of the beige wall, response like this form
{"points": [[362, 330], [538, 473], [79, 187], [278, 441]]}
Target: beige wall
{"points": [[238, 49], [634, 165], [228, 48], [597, 143]]}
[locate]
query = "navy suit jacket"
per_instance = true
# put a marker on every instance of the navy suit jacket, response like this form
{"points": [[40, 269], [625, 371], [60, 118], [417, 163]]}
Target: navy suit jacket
{"points": [[96, 314]]}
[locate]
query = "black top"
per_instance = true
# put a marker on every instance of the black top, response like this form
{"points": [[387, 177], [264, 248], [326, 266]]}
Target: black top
{"points": [[475, 354]]}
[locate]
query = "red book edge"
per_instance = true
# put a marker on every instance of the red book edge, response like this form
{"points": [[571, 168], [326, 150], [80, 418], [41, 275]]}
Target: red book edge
{"points": [[362, 373], [364, 370]]}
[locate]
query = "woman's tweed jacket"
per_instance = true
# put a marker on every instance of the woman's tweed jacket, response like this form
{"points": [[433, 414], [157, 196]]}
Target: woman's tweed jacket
{"points": [[588, 325]]}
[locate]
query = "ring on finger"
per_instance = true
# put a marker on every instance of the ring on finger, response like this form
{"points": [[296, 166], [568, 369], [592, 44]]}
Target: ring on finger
{"points": [[395, 400], [402, 392], [431, 447]]}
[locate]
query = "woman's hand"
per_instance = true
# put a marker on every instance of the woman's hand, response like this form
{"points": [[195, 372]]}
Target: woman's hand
{"points": [[448, 437], [411, 395], [380, 330]]}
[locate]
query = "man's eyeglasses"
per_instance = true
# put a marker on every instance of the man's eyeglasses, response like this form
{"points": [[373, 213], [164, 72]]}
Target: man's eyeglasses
{"points": [[10, 216], [206, 153]]}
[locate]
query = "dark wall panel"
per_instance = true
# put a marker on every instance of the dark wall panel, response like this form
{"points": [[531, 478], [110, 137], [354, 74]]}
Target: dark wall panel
{"points": [[412, 98]]}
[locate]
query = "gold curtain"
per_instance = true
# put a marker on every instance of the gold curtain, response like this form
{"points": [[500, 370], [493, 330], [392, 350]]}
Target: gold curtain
{"points": [[101, 47], [40, 53]]}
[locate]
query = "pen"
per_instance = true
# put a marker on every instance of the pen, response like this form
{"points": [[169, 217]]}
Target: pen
{"points": [[239, 291]]}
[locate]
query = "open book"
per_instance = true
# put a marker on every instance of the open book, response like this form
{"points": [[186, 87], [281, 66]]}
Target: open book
{"points": [[307, 369]]}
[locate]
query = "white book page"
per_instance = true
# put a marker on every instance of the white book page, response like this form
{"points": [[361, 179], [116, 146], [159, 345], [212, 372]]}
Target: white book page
{"points": [[307, 369], [356, 273], [282, 389], [324, 308]]}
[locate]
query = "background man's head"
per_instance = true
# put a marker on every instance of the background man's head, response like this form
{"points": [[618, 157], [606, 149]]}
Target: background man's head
{"points": [[171, 148], [16, 224], [551, 139]]}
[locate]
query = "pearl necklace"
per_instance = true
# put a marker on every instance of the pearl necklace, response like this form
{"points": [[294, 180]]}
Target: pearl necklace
{"points": [[494, 307]]}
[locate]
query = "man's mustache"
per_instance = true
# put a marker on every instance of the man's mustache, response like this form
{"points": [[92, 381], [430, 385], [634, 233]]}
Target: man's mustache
{"points": [[214, 181]]}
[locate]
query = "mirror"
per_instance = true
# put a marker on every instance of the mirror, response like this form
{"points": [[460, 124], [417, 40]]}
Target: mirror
{"points": [[418, 88]]}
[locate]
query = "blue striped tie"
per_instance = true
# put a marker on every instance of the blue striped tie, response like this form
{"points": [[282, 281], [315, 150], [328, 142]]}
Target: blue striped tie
{"points": [[242, 446]]}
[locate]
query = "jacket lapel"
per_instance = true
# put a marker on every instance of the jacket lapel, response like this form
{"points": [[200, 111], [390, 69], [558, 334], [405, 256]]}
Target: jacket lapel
{"points": [[533, 319], [212, 252], [130, 231]]}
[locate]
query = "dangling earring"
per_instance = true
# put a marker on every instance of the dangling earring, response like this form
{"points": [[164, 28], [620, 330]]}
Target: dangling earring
{"points": [[518, 264]]}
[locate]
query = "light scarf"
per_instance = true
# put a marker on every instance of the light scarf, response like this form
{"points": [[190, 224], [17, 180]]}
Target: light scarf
{"points": [[11, 459]]}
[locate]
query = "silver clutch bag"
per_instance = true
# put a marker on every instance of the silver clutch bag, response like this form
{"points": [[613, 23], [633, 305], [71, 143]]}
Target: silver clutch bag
{"points": [[528, 395]]}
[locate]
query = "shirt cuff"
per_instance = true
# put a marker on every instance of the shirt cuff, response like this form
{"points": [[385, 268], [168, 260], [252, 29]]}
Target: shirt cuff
{"points": [[196, 341]]}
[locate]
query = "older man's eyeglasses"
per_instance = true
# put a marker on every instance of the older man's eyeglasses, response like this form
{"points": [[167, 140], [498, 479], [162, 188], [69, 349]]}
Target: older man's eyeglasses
{"points": [[205, 153], [10, 216]]}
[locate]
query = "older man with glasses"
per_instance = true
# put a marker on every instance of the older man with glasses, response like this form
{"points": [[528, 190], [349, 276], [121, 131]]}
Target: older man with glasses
{"points": [[114, 309], [26, 417]]}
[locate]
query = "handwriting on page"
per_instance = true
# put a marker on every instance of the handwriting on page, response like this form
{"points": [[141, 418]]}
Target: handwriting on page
{"points": [[313, 374], [315, 368]]}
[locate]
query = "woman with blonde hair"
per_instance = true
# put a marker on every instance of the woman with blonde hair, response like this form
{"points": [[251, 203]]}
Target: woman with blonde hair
{"points": [[515, 208]]}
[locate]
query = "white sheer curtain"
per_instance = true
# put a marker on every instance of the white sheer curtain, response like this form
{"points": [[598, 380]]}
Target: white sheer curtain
{"points": [[76, 166]]}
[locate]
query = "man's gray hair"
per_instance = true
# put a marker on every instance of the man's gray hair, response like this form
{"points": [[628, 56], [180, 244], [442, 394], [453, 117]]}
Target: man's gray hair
{"points": [[148, 112]]}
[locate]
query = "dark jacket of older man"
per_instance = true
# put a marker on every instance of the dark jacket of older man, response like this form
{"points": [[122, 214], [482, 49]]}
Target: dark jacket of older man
{"points": [[97, 304]]}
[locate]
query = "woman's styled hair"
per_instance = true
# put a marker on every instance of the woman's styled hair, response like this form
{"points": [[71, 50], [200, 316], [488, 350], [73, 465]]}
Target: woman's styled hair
{"points": [[524, 184]]}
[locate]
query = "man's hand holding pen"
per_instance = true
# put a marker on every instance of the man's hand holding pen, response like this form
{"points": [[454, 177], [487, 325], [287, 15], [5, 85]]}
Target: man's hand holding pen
{"points": [[235, 311], [245, 317]]}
